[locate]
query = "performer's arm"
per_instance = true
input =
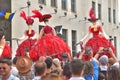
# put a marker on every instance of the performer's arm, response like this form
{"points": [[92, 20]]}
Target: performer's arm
{"points": [[85, 38], [54, 32], [110, 51]]}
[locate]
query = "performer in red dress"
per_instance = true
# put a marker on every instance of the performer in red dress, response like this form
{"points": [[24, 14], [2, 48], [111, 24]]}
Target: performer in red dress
{"points": [[28, 43], [5, 50], [48, 43], [98, 40]]}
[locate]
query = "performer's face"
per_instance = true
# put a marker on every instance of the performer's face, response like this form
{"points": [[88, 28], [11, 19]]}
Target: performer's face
{"points": [[94, 22]]}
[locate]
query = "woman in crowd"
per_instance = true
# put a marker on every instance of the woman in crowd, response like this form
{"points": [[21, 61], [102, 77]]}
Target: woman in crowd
{"points": [[28, 43], [5, 50], [48, 43]]}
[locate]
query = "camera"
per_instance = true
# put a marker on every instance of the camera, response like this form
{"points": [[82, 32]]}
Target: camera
{"points": [[64, 55], [106, 49], [88, 50]]}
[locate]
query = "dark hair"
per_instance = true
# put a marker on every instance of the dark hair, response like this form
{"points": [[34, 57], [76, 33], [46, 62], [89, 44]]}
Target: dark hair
{"points": [[1, 33], [15, 59], [49, 62], [113, 73], [7, 61], [40, 67], [88, 68], [66, 70], [76, 66], [45, 19]]}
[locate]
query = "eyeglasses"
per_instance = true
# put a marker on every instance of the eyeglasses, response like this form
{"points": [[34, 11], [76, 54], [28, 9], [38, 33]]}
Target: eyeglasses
{"points": [[2, 68]]}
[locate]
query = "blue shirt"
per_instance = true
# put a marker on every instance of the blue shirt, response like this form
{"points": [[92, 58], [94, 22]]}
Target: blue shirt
{"points": [[95, 74]]}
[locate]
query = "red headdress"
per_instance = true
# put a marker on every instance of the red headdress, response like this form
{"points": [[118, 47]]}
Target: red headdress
{"points": [[92, 16], [41, 17], [28, 19]]}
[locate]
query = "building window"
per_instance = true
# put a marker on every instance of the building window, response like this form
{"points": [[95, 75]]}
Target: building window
{"points": [[99, 11], [53, 3], [64, 4], [114, 16], [64, 34], [42, 1], [109, 14], [93, 6], [73, 4], [73, 42]]}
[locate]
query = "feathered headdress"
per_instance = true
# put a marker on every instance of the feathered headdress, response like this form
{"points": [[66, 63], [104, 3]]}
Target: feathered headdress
{"points": [[38, 14], [92, 15], [28, 19]]}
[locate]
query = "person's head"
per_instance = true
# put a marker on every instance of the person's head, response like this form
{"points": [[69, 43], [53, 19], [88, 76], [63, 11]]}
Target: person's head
{"points": [[77, 67], [46, 20], [14, 61], [5, 67], [88, 68], [53, 76], [113, 73], [66, 70], [101, 76], [111, 61], [92, 18], [49, 62], [40, 68], [94, 22], [103, 60]]}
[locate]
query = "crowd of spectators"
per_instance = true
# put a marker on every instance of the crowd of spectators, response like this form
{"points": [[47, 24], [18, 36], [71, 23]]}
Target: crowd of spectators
{"points": [[46, 68]]}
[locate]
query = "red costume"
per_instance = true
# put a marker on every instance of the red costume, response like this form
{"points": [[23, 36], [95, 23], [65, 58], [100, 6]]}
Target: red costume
{"points": [[7, 52], [49, 44], [29, 42], [97, 40]]}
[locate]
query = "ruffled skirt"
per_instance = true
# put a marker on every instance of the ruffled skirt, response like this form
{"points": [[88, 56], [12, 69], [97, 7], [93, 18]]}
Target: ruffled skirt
{"points": [[49, 45]]}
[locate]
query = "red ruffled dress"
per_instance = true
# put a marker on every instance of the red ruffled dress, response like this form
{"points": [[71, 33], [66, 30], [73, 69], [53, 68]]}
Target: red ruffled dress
{"points": [[7, 52], [98, 41], [28, 43], [49, 45]]}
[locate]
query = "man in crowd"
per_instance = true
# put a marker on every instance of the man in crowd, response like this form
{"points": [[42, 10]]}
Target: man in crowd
{"points": [[5, 70]]}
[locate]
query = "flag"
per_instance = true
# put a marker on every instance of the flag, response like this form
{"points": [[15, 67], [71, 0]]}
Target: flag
{"points": [[2, 13], [9, 16]]}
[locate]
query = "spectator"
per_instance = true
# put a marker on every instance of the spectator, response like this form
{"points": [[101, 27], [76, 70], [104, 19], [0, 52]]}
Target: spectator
{"points": [[77, 69], [66, 71], [49, 63], [40, 70], [113, 73], [14, 70], [5, 50], [5, 68], [23, 65], [56, 67], [91, 67]]}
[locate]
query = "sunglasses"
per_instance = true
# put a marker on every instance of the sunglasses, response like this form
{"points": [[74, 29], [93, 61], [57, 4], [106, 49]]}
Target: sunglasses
{"points": [[2, 68]]}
